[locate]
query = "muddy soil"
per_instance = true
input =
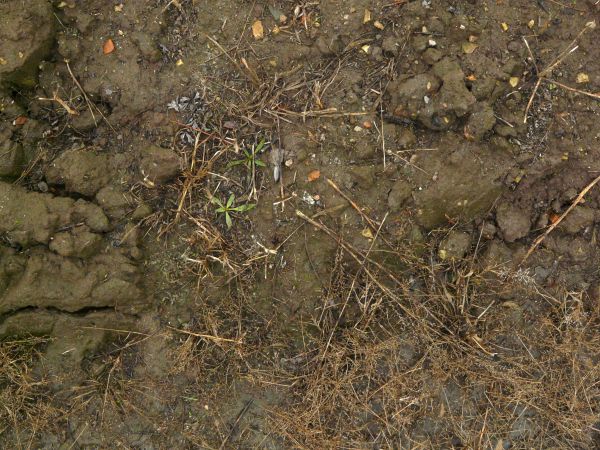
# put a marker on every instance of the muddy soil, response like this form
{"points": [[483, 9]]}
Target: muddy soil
{"points": [[283, 224]]}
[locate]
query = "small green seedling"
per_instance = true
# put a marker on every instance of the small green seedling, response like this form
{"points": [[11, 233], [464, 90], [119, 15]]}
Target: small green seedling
{"points": [[250, 159], [227, 208]]}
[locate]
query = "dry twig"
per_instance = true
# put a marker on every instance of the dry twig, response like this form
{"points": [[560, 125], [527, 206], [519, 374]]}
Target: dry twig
{"points": [[549, 230]]}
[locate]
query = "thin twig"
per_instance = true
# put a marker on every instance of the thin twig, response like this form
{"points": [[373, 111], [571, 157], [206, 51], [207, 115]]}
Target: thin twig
{"points": [[206, 336], [115, 330], [329, 112], [541, 238], [61, 102], [558, 60], [248, 74], [572, 89], [87, 99], [352, 251], [530, 102], [352, 287], [371, 222]]}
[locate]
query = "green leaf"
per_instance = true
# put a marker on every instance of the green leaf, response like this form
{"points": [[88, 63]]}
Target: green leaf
{"points": [[247, 153], [216, 201], [230, 200], [228, 220], [237, 162], [221, 209], [259, 163], [244, 208], [260, 146]]}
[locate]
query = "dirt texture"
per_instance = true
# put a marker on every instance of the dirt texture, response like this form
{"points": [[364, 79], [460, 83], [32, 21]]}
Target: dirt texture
{"points": [[299, 224]]}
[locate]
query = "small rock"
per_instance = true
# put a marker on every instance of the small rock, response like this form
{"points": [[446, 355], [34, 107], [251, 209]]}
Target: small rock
{"points": [[455, 245], [513, 222], [91, 214], [577, 220], [436, 99], [505, 131], [569, 194], [329, 46], [497, 254], [83, 171], [147, 46], [514, 46], [420, 43], [483, 88], [400, 193], [376, 53], [12, 159], [406, 138], [407, 94], [389, 45], [390, 131], [141, 212], [159, 165], [542, 221], [480, 122], [113, 201], [488, 230], [432, 55], [513, 67], [78, 243]]}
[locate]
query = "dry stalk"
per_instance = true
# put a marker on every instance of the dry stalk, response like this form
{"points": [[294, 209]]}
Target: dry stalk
{"points": [[89, 103], [542, 76], [549, 230]]}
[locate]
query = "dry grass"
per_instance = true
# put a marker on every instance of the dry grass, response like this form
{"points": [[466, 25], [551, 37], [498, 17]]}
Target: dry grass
{"points": [[448, 375], [25, 398]]}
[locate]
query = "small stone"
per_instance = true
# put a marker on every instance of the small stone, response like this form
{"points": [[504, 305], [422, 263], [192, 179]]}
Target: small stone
{"points": [[432, 55], [513, 222], [377, 24], [582, 78], [113, 201], [12, 159], [455, 245], [406, 138], [83, 171], [488, 230], [141, 212], [159, 165], [78, 243], [92, 215], [389, 45], [514, 46], [420, 43], [505, 130], [580, 218], [376, 53], [480, 122], [399, 195]]}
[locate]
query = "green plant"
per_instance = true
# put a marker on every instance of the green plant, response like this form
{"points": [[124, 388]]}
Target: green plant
{"points": [[226, 208], [250, 159]]}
